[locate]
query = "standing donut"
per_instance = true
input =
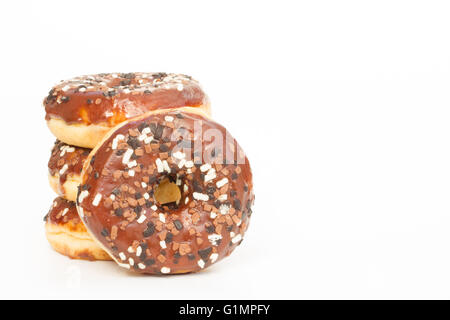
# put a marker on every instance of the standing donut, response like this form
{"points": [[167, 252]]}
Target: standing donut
{"points": [[81, 110], [166, 193]]}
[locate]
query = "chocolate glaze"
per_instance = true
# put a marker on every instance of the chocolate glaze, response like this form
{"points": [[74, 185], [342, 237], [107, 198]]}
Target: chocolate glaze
{"points": [[64, 213], [195, 232], [110, 98], [66, 160]]}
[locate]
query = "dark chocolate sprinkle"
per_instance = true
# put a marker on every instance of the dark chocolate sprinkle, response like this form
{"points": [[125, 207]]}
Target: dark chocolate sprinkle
{"points": [[204, 254], [178, 224]]}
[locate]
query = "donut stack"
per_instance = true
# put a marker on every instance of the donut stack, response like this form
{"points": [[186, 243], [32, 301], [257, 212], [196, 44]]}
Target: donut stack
{"points": [[144, 177]]}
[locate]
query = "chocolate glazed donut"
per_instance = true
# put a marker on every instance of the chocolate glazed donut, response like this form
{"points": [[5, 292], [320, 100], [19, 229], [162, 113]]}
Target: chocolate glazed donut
{"points": [[81, 110], [160, 200]]}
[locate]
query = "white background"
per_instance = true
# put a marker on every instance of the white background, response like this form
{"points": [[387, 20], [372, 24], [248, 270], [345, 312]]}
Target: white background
{"points": [[341, 106]]}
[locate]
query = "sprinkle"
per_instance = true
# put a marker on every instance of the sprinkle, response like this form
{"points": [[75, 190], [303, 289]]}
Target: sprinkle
{"points": [[146, 196], [205, 167], [214, 257], [210, 175], [138, 251], [122, 256], [186, 200], [141, 266], [127, 156], [132, 164], [224, 209], [146, 130], [189, 164], [154, 207], [162, 218], [144, 185], [131, 261], [97, 199], [185, 188], [159, 165], [63, 169], [168, 118], [222, 182], [201, 263], [214, 238], [213, 215], [181, 163], [80, 212], [166, 166], [141, 218], [165, 270], [124, 265], [64, 212], [163, 244], [180, 87], [200, 196], [116, 141], [83, 194], [131, 173], [222, 197]]}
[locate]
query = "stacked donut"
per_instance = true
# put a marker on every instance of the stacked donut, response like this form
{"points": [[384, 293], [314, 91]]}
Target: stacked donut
{"points": [[144, 177]]}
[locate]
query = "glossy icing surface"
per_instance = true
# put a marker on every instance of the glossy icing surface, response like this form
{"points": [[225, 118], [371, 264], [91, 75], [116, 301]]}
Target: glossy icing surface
{"points": [[116, 199], [66, 160], [111, 98]]}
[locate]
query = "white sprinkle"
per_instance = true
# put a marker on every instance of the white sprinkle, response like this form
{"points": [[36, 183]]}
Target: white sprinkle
{"points": [[213, 238], [205, 167], [141, 266], [80, 212], [214, 257], [168, 118], [131, 261], [163, 244], [131, 173], [180, 87], [166, 166], [146, 196], [210, 175], [236, 239], [138, 251], [143, 184], [186, 200], [181, 163], [146, 130], [132, 164], [97, 199], [213, 215], [142, 137], [162, 218], [185, 188], [179, 155], [83, 194], [124, 265], [64, 212], [148, 140], [141, 218], [189, 164], [122, 256], [63, 169], [224, 209], [116, 141], [222, 182], [112, 197], [154, 207], [130, 249], [165, 270], [65, 88], [201, 263], [159, 165], [200, 196], [222, 197], [127, 156]]}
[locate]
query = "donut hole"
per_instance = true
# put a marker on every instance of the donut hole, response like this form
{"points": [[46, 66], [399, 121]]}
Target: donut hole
{"points": [[167, 192]]}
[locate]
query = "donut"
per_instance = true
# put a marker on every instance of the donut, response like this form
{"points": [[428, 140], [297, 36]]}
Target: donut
{"points": [[67, 234], [64, 169], [160, 200], [79, 111]]}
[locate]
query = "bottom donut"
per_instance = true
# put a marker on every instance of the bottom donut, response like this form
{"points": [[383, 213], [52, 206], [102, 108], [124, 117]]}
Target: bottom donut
{"points": [[67, 234]]}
